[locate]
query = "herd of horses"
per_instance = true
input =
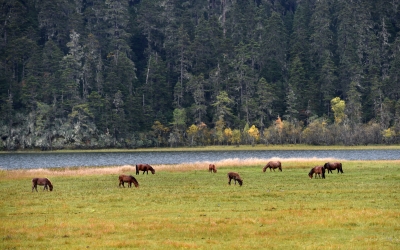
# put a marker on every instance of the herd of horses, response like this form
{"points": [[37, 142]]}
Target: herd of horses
{"points": [[145, 168]]}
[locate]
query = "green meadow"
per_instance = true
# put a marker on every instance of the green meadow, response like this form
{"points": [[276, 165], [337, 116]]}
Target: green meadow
{"points": [[186, 207]]}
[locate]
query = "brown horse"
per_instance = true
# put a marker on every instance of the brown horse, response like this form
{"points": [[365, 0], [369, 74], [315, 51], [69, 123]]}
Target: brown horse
{"points": [[211, 168], [235, 177], [272, 165], [42, 182], [144, 168], [318, 170], [128, 178], [332, 166]]}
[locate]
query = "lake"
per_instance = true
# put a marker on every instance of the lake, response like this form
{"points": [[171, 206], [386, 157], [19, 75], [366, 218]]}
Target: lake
{"points": [[54, 160]]}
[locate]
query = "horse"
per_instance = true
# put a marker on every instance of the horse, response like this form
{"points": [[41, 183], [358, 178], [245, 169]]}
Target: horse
{"points": [[332, 166], [272, 165], [144, 168], [127, 178], [317, 170], [211, 168], [235, 177], [42, 182]]}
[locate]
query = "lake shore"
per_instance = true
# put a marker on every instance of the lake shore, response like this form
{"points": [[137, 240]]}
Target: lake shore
{"points": [[220, 148]]}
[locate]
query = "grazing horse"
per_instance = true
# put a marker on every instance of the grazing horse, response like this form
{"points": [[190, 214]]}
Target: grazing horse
{"points": [[272, 165], [333, 165], [129, 179], [318, 170], [144, 168], [211, 168], [42, 182], [235, 177]]}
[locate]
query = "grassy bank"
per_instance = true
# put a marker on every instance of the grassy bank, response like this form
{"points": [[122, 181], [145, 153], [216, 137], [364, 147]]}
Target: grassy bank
{"points": [[225, 148], [184, 206]]}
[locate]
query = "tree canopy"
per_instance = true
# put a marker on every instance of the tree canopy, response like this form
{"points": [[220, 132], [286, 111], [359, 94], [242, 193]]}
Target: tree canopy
{"points": [[145, 73]]}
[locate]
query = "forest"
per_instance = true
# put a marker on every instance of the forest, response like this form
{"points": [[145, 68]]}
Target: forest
{"points": [[88, 74]]}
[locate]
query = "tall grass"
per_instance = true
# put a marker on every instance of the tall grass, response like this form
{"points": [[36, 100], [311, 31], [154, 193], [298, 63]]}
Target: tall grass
{"points": [[185, 206]]}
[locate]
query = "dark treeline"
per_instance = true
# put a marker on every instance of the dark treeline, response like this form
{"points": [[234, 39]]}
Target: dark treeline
{"points": [[156, 73]]}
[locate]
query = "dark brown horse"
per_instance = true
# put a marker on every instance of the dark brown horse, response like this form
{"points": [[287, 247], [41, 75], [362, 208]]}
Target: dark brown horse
{"points": [[211, 168], [236, 177], [318, 170], [144, 168], [42, 182], [272, 165], [332, 166], [127, 178]]}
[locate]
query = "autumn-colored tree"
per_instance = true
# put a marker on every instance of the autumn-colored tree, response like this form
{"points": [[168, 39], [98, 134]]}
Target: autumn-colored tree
{"points": [[338, 106], [192, 133], [254, 134], [228, 134]]}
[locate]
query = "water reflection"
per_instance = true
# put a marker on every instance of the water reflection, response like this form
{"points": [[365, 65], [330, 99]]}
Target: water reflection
{"points": [[53, 160]]}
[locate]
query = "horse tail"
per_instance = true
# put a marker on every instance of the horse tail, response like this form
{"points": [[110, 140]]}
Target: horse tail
{"points": [[341, 169], [137, 169]]}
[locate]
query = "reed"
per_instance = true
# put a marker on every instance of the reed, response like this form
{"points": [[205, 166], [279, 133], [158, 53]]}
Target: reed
{"points": [[185, 206]]}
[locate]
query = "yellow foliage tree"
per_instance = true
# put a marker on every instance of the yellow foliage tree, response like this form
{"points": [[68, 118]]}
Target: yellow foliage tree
{"points": [[279, 125], [254, 134], [192, 133], [338, 106], [228, 134], [388, 133]]}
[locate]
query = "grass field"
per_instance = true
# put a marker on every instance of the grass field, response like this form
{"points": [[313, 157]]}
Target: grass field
{"points": [[186, 207]]}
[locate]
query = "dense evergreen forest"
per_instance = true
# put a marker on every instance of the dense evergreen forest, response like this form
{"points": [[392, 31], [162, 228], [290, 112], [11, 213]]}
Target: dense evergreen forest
{"points": [[166, 73]]}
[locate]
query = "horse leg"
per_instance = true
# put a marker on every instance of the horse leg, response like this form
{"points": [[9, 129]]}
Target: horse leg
{"points": [[229, 182], [34, 187]]}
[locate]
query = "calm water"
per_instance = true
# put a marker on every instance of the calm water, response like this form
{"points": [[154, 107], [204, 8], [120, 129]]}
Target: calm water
{"points": [[54, 160]]}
